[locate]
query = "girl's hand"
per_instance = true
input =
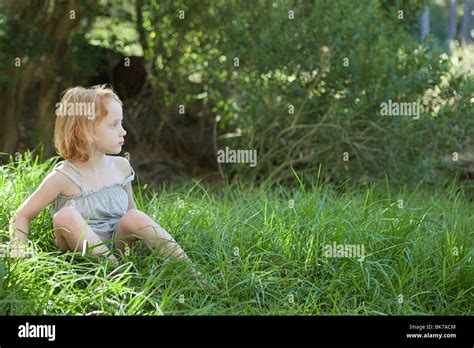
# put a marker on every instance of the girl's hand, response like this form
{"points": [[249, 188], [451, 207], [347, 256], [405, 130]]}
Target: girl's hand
{"points": [[17, 249], [15, 252]]}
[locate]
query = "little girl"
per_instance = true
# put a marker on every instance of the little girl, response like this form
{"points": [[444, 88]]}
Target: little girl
{"points": [[91, 192]]}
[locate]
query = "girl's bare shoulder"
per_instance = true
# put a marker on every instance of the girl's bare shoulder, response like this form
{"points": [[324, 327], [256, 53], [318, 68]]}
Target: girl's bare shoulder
{"points": [[59, 176], [122, 165]]}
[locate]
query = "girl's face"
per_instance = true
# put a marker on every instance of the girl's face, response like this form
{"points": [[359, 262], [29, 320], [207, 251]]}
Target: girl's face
{"points": [[110, 133]]}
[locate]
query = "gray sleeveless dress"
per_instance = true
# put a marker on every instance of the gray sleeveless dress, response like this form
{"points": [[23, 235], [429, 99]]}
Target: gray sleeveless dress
{"points": [[101, 207]]}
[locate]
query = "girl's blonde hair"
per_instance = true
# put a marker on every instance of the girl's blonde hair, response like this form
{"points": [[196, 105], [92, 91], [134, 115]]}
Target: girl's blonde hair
{"points": [[77, 115]]}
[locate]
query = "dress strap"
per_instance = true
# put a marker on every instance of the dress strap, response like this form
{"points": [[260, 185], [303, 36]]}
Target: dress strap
{"points": [[129, 178], [73, 167]]}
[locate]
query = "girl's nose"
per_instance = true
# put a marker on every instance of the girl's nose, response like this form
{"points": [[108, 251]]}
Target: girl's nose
{"points": [[124, 132]]}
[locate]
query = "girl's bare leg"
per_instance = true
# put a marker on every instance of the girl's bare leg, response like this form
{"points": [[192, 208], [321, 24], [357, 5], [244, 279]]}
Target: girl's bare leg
{"points": [[135, 225], [138, 225], [72, 233]]}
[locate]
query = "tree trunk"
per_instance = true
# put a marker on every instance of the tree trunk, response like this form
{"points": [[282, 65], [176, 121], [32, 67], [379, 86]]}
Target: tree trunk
{"points": [[8, 125], [425, 22], [57, 28], [20, 72], [452, 21], [466, 22]]}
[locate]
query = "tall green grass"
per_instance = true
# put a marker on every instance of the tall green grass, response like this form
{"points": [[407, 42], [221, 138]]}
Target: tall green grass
{"points": [[261, 255]]}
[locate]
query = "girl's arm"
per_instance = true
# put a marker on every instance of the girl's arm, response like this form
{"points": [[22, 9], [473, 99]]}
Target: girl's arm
{"points": [[131, 201], [48, 190], [125, 167]]}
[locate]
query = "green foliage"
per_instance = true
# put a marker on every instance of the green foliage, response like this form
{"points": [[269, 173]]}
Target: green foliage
{"points": [[300, 62], [333, 65], [337, 107], [19, 39]]}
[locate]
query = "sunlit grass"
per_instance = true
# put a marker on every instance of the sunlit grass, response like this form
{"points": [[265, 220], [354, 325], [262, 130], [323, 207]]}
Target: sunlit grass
{"points": [[261, 254]]}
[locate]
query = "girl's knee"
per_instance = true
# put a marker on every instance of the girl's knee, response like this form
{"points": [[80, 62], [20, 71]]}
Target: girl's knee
{"points": [[66, 216], [134, 218]]}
